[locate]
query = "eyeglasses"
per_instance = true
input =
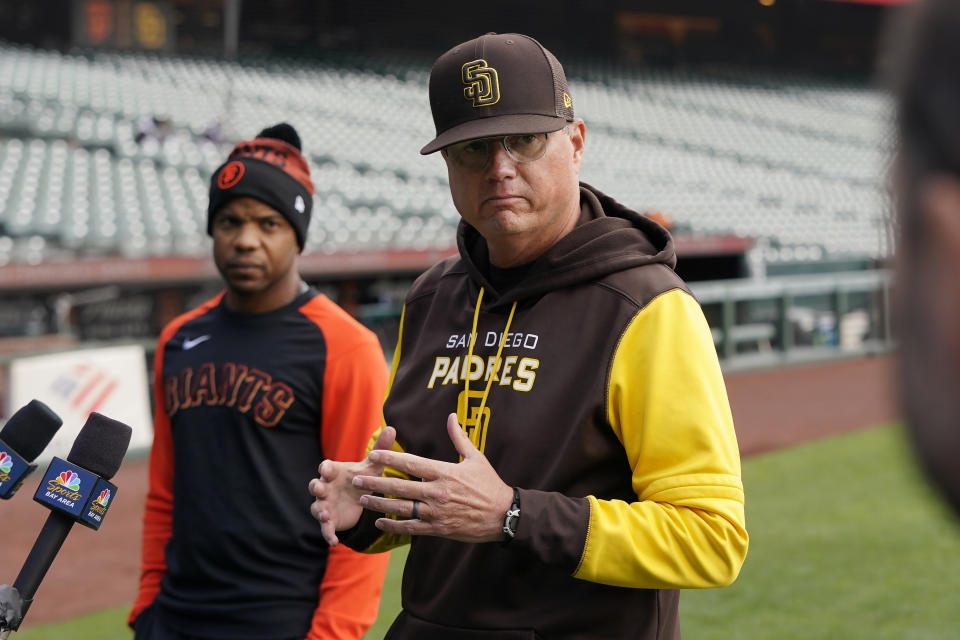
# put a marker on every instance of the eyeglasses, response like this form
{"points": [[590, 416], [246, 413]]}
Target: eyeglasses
{"points": [[476, 154]]}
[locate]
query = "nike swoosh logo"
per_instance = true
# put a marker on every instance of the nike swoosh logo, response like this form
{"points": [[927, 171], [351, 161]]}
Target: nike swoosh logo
{"points": [[190, 343]]}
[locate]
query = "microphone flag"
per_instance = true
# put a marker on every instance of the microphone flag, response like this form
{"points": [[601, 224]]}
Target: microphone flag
{"points": [[70, 489], [13, 470]]}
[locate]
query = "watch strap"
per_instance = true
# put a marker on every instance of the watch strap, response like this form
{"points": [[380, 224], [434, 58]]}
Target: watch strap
{"points": [[511, 520]]}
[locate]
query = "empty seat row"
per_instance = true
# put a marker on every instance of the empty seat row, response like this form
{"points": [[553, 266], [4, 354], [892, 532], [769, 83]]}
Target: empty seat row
{"points": [[796, 161]]}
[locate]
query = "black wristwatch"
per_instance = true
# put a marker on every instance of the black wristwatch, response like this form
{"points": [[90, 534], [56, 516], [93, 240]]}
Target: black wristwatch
{"points": [[512, 518]]}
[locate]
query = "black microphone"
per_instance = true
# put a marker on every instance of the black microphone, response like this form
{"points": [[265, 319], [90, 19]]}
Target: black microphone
{"points": [[75, 490], [25, 435]]}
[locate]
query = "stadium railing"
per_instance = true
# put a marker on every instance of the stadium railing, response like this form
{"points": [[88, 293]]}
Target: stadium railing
{"points": [[790, 319], [755, 322]]}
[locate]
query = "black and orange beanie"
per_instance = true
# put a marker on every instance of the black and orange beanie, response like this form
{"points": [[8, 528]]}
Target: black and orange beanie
{"points": [[272, 169]]}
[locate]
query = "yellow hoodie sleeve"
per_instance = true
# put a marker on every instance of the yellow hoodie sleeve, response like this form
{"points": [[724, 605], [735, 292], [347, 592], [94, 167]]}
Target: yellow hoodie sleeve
{"points": [[667, 404]]}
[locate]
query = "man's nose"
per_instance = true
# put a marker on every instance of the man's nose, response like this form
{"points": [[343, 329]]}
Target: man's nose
{"points": [[500, 165], [248, 236]]}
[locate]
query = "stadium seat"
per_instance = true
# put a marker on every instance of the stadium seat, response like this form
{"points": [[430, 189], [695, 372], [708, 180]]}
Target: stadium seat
{"points": [[796, 161]]}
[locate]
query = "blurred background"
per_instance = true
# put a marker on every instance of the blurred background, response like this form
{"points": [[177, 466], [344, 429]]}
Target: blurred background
{"points": [[758, 131]]}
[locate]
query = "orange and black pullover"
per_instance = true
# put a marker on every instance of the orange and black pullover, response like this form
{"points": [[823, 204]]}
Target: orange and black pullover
{"points": [[591, 384], [246, 408]]}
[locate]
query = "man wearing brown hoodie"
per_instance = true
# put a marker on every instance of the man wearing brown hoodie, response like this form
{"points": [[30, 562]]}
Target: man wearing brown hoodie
{"points": [[589, 467]]}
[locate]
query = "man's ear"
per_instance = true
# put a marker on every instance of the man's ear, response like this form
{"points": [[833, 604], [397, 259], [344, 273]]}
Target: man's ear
{"points": [[578, 136]]}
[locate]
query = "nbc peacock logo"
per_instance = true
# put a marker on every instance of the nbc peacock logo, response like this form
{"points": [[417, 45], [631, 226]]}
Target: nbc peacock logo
{"points": [[104, 498], [70, 480], [6, 462]]}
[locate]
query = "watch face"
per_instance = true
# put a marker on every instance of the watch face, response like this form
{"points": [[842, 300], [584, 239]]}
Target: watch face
{"points": [[511, 521], [512, 518]]}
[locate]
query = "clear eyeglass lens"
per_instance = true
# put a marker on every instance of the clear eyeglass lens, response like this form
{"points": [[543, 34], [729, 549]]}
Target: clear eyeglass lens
{"points": [[475, 154], [526, 148]]}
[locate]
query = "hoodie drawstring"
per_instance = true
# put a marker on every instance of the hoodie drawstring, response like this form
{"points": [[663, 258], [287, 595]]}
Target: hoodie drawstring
{"points": [[494, 369]]}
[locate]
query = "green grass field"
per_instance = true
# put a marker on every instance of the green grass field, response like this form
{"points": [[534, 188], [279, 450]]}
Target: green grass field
{"points": [[847, 541]]}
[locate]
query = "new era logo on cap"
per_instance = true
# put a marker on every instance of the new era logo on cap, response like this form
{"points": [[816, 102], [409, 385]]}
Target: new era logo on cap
{"points": [[299, 204]]}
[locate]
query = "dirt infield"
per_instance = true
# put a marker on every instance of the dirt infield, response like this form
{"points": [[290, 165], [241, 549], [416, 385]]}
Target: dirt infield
{"points": [[772, 408]]}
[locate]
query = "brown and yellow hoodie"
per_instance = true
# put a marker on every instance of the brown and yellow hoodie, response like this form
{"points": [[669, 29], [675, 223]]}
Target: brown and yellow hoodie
{"points": [[590, 381]]}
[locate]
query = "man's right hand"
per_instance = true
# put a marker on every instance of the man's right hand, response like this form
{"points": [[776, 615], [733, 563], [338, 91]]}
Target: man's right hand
{"points": [[337, 505]]}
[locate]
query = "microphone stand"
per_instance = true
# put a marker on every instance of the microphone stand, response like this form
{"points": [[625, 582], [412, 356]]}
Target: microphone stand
{"points": [[11, 610]]}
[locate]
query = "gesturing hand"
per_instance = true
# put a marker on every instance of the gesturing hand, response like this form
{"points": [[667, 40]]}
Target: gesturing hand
{"points": [[337, 504], [463, 501]]}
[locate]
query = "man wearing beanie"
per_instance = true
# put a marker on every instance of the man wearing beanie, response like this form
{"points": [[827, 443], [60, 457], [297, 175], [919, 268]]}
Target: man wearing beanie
{"points": [[588, 468], [252, 390]]}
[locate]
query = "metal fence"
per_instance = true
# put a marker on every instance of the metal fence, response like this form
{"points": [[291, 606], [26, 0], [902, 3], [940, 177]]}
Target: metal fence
{"points": [[755, 322], [787, 319]]}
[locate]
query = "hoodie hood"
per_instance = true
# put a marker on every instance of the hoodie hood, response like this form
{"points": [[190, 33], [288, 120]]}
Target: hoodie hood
{"points": [[609, 238]]}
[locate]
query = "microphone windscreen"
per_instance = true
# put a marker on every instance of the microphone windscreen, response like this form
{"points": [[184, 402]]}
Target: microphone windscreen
{"points": [[30, 429], [101, 445]]}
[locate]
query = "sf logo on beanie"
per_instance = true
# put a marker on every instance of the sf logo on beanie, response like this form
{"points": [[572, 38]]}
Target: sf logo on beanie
{"points": [[230, 174], [482, 84]]}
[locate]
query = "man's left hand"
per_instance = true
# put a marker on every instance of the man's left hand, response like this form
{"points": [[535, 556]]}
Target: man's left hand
{"points": [[463, 501]]}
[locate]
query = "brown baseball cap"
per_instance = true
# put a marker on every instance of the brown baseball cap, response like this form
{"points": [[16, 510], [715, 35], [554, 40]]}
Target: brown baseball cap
{"points": [[496, 85]]}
